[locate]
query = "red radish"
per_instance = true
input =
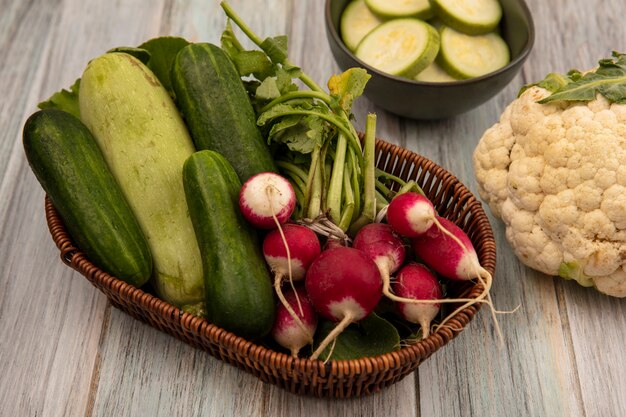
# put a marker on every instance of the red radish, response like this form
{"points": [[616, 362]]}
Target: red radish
{"points": [[332, 242], [289, 251], [442, 245], [411, 214], [266, 199], [344, 285], [286, 331], [449, 254], [295, 249], [384, 247], [415, 281]]}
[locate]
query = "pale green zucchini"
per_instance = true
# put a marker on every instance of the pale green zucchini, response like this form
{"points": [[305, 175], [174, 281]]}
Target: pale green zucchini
{"points": [[145, 144]]}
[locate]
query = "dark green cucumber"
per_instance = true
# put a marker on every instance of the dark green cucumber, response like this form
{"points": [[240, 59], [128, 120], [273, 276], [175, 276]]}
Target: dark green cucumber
{"points": [[239, 296], [71, 169], [215, 105]]}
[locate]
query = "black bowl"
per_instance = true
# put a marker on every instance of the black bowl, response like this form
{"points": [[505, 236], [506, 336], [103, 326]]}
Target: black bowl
{"points": [[428, 100]]}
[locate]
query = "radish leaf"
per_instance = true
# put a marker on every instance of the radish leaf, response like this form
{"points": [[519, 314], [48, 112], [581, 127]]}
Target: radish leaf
{"points": [[163, 51], [276, 48], [255, 63], [66, 100], [370, 337], [348, 86]]}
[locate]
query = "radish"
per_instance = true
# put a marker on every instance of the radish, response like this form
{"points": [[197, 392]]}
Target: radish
{"points": [[292, 251], [442, 245], [449, 252], [286, 331], [332, 242], [384, 247], [411, 214], [415, 281], [289, 251], [267, 199], [344, 286]]}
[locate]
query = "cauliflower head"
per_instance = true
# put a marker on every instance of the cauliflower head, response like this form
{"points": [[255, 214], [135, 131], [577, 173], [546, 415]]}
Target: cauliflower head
{"points": [[555, 173]]}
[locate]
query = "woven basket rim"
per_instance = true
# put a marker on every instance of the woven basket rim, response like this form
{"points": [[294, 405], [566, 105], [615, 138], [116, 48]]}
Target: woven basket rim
{"points": [[405, 356]]}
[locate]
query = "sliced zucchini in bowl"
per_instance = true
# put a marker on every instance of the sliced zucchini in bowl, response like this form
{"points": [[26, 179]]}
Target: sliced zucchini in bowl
{"points": [[402, 47], [357, 21], [473, 17], [434, 74], [391, 9], [465, 56]]}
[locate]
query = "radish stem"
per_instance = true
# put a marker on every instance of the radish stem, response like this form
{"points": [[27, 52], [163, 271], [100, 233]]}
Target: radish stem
{"points": [[315, 203], [355, 172], [258, 41], [369, 176], [294, 169], [298, 95], [348, 211], [369, 184], [382, 188], [311, 179], [334, 197]]}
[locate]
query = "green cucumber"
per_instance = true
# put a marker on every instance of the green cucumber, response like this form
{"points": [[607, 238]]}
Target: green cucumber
{"points": [[215, 105], [70, 168], [145, 143], [238, 285]]}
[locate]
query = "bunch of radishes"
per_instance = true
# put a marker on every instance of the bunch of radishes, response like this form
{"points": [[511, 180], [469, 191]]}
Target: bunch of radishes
{"points": [[344, 284]]}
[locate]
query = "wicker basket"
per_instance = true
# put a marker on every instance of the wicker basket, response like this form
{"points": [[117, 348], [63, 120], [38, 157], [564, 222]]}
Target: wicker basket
{"points": [[341, 378]]}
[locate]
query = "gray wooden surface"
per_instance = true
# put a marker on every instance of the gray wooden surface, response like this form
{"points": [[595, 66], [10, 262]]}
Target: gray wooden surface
{"points": [[64, 351]]}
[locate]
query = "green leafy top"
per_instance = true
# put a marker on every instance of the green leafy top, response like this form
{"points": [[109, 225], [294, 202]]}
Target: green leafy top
{"points": [[66, 100], [158, 54], [310, 129], [370, 337], [609, 79]]}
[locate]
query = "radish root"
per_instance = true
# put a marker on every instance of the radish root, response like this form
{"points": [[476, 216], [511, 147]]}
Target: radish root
{"points": [[340, 327], [332, 349], [279, 277], [323, 226], [482, 275]]}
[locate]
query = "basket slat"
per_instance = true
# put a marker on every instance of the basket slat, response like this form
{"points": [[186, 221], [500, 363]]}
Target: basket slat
{"points": [[337, 379]]}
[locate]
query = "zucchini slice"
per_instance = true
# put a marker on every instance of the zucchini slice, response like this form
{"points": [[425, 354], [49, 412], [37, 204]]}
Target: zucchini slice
{"points": [[434, 74], [402, 47], [473, 17], [357, 21], [465, 56], [391, 9]]}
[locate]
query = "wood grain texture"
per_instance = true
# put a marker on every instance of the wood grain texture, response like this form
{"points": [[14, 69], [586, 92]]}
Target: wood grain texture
{"points": [[65, 352]]}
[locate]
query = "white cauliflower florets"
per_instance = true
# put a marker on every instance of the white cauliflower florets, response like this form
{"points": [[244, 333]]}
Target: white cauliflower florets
{"points": [[556, 175]]}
